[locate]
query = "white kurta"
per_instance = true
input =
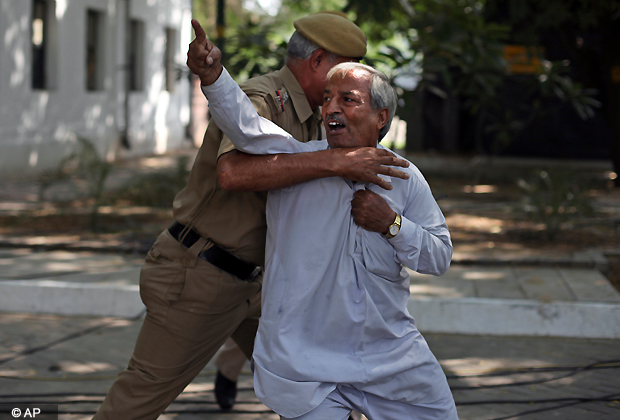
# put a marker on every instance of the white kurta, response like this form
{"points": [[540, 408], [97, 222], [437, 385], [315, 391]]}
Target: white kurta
{"points": [[334, 303]]}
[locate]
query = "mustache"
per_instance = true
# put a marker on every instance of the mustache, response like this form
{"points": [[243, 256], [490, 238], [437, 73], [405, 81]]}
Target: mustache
{"points": [[335, 118]]}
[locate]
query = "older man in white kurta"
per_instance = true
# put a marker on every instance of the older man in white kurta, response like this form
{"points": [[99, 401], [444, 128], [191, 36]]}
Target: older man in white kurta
{"points": [[335, 327]]}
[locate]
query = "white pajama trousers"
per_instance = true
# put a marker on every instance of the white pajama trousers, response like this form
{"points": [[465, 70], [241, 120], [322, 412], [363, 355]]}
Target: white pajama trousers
{"points": [[341, 401]]}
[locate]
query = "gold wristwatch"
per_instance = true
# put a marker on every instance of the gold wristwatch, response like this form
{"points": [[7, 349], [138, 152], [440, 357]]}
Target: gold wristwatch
{"points": [[394, 227]]}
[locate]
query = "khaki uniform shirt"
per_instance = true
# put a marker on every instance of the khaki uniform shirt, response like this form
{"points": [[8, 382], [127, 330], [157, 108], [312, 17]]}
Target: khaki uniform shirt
{"points": [[236, 220]]}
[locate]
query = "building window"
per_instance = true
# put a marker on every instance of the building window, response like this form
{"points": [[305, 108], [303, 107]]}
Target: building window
{"points": [[136, 55], [94, 50], [169, 54], [39, 44], [44, 44]]}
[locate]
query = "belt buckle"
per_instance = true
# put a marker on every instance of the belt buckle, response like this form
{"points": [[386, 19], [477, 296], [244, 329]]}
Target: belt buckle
{"points": [[255, 273]]}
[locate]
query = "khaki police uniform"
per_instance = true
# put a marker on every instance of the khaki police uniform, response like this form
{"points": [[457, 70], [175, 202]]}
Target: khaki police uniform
{"points": [[193, 306]]}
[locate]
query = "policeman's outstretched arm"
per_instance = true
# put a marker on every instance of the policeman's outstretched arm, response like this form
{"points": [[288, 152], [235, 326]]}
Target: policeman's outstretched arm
{"points": [[238, 171]]}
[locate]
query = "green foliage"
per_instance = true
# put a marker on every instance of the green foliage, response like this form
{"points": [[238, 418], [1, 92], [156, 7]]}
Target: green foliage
{"points": [[454, 48], [540, 95], [83, 175], [554, 198], [298, 8], [554, 83], [87, 173], [86, 165], [257, 49], [451, 38], [48, 178], [460, 53], [155, 189], [255, 42], [460, 47], [380, 20], [530, 17]]}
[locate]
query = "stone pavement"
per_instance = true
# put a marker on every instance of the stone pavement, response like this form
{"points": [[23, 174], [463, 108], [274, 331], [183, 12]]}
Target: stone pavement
{"points": [[71, 361]]}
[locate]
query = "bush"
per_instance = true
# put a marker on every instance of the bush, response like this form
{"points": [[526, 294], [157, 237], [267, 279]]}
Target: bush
{"points": [[554, 198]]}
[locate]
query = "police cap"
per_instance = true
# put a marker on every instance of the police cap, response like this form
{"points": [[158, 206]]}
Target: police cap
{"points": [[333, 32]]}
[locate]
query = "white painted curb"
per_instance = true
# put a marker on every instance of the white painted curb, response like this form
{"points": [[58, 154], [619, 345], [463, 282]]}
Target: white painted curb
{"points": [[65, 298], [457, 316], [516, 317]]}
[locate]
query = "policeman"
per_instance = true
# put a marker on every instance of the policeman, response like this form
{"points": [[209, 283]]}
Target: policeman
{"points": [[201, 280]]}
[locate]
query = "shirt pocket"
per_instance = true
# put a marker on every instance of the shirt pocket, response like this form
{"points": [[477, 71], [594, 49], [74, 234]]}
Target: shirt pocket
{"points": [[379, 256]]}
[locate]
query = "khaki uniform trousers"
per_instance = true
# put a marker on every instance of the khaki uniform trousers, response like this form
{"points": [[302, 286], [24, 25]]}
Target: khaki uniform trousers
{"points": [[192, 308]]}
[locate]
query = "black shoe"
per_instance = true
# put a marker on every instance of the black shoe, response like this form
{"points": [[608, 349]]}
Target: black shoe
{"points": [[225, 391]]}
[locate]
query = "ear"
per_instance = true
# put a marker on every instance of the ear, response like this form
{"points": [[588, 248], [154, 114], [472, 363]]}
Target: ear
{"points": [[383, 118], [318, 56]]}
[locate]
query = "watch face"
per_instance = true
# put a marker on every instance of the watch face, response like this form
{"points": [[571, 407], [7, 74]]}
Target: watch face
{"points": [[394, 229]]}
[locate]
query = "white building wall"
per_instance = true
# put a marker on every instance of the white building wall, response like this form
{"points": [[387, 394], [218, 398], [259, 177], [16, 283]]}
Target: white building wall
{"points": [[39, 127]]}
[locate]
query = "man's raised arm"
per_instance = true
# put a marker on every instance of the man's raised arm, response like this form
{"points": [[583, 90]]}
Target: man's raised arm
{"points": [[242, 172]]}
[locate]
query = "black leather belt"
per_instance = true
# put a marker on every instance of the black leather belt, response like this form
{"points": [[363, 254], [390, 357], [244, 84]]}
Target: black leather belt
{"points": [[223, 260]]}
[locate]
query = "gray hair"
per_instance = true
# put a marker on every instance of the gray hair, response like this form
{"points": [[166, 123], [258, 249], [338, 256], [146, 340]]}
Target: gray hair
{"points": [[301, 48], [382, 94]]}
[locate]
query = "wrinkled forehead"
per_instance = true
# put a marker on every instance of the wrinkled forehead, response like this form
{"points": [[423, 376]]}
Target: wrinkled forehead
{"points": [[358, 79]]}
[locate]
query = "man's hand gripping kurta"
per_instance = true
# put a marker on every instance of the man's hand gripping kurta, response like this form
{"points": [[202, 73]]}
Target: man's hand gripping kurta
{"points": [[239, 171]]}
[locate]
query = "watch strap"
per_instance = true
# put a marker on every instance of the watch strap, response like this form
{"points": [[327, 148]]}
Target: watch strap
{"points": [[397, 222]]}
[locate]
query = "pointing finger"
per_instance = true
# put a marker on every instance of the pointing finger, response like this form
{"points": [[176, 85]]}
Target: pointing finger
{"points": [[201, 36]]}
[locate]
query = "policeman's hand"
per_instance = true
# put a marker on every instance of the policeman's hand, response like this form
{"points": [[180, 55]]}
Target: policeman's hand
{"points": [[204, 58], [371, 212], [364, 163]]}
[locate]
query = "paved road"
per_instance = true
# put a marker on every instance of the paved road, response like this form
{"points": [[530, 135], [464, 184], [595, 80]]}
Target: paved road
{"points": [[73, 360]]}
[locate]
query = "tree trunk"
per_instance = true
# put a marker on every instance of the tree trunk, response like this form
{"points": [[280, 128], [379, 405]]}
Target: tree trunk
{"points": [[612, 76]]}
